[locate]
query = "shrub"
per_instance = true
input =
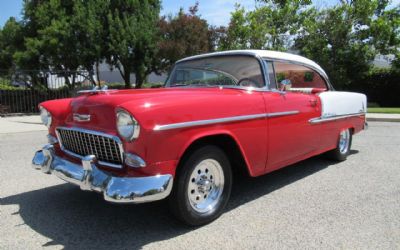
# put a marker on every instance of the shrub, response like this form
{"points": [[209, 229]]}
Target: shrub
{"points": [[382, 86]]}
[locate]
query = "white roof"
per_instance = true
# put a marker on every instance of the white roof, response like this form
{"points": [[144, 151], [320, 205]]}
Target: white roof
{"points": [[265, 54]]}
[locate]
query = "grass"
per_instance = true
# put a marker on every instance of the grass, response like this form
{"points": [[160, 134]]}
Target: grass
{"points": [[384, 110]]}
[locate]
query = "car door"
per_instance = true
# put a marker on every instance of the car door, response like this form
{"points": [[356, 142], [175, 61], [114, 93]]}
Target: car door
{"points": [[291, 137]]}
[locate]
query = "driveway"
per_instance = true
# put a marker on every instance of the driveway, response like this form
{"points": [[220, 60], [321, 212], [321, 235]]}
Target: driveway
{"points": [[313, 204]]}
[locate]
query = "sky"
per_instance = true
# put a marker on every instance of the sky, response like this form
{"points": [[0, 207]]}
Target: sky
{"points": [[216, 12]]}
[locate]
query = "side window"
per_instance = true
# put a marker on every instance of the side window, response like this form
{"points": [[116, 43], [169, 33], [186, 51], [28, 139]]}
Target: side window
{"points": [[296, 77]]}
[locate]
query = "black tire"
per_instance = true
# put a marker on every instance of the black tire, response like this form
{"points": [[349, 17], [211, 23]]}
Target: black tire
{"points": [[179, 201], [340, 153]]}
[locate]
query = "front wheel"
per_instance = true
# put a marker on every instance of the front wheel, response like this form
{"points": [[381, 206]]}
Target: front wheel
{"points": [[202, 187], [342, 150]]}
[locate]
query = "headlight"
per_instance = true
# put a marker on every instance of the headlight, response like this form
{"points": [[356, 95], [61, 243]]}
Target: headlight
{"points": [[45, 116], [128, 128]]}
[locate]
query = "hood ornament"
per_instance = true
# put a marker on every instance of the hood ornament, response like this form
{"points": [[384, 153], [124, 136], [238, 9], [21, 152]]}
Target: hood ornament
{"points": [[81, 117], [94, 90]]}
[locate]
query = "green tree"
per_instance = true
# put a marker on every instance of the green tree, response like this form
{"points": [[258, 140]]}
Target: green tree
{"points": [[183, 35], [11, 40], [133, 37], [51, 38], [345, 39], [270, 26], [238, 32], [89, 22], [28, 57], [63, 36]]}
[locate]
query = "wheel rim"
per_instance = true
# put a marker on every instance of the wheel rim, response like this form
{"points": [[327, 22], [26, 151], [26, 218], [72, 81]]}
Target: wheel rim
{"points": [[344, 141], [205, 187]]}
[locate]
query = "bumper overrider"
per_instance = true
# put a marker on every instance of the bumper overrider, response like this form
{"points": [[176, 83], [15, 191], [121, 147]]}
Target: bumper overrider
{"points": [[89, 177]]}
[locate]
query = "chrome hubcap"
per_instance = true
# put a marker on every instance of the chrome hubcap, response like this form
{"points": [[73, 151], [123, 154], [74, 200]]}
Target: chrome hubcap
{"points": [[205, 186], [344, 141]]}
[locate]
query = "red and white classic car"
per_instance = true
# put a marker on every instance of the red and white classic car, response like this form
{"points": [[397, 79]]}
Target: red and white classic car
{"points": [[257, 110]]}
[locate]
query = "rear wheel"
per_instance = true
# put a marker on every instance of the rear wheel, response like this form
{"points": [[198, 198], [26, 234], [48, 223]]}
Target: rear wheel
{"points": [[342, 150], [202, 187]]}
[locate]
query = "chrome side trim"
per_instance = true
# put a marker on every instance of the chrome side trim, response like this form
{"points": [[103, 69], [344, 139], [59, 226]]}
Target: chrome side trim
{"points": [[333, 118], [294, 112], [115, 138], [222, 120]]}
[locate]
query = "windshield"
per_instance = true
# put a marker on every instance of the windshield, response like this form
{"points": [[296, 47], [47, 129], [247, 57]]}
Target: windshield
{"points": [[244, 71]]}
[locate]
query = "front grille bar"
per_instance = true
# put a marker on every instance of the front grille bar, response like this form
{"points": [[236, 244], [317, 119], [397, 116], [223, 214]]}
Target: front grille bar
{"points": [[80, 142]]}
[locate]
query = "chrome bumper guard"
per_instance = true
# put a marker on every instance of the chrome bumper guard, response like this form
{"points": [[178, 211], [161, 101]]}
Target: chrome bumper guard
{"points": [[89, 177]]}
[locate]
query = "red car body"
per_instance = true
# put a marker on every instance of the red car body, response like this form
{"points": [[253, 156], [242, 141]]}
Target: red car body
{"points": [[266, 144], [258, 110]]}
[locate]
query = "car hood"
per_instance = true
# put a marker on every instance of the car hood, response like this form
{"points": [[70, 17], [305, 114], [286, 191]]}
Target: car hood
{"points": [[146, 105]]}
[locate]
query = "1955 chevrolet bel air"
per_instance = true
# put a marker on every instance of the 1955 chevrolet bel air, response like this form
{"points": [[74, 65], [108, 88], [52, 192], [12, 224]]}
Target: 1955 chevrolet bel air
{"points": [[251, 109]]}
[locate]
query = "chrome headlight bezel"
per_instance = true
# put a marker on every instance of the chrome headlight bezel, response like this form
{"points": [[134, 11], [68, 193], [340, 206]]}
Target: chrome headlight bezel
{"points": [[127, 126], [45, 116]]}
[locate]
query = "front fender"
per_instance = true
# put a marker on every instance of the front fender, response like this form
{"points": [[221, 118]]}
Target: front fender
{"points": [[197, 137]]}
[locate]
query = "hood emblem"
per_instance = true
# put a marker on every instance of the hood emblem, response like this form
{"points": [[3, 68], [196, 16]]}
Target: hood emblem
{"points": [[81, 117]]}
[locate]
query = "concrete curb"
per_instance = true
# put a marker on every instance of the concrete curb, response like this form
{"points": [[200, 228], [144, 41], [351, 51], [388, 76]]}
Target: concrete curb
{"points": [[375, 119], [18, 114], [372, 117]]}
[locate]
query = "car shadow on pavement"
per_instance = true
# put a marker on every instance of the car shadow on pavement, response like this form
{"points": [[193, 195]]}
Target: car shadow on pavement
{"points": [[76, 219]]}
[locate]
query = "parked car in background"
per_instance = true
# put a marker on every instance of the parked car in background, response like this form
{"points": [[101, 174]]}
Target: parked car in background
{"points": [[251, 109]]}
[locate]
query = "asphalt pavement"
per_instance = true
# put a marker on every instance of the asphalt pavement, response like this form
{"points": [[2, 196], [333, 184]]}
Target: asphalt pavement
{"points": [[313, 204]]}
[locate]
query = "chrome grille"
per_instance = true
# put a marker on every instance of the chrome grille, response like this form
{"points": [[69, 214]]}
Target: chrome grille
{"points": [[81, 142]]}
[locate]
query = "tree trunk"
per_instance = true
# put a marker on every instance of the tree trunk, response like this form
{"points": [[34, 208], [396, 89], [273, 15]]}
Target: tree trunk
{"points": [[126, 75], [73, 79], [67, 81], [139, 81], [98, 73], [127, 79]]}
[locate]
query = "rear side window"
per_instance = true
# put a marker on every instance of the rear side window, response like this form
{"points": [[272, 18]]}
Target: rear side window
{"points": [[297, 76]]}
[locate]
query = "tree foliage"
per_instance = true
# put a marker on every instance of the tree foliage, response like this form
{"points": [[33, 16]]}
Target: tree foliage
{"points": [[345, 39], [133, 36], [270, 26], [11, 40], [70, 35], [183, 35]]}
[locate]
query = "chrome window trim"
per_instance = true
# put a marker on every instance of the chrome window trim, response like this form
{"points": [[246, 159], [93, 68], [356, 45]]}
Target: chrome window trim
{"points": [[333, 118], [222, 120], [93, 132]]}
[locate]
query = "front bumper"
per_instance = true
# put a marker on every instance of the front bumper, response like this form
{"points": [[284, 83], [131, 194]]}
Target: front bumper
{"points": [[89, 177]]}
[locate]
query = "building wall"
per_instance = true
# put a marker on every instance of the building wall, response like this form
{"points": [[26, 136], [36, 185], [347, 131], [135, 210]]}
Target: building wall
{"points": [[113, 76]]}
